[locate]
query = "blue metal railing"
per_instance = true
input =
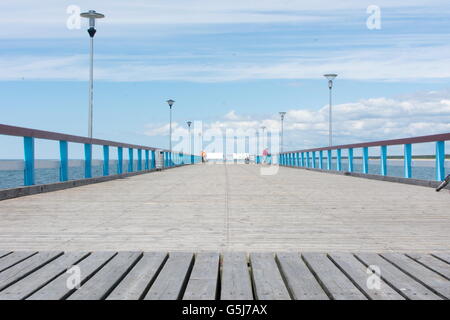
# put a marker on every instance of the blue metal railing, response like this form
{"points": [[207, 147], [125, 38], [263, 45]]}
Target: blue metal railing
{"points": [[170, 159], [307, 158]]}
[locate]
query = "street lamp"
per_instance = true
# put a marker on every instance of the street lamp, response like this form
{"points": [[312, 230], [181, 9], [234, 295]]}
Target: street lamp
{"points": [[190, 140], [170, 102], [91, 15], [282, 114], [263, 145], [330, 78]]}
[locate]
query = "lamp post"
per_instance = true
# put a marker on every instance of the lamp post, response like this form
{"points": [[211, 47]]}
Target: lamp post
{"points": [[282, 114], [170, 102], [263, 145], [190, 140], [91, 15], [330, 78]]}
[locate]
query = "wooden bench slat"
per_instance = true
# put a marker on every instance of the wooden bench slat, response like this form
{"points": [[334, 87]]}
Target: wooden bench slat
{"points": [[355, 270], [396, 278], [300, 281], [331, 278], [105, 279], [236, 283], [39, 278], [267, 280], [173, 277], [133, 286], [424, 275], [25, 267], [202, 284], [431, 262], [14, 258], [57, 289]]}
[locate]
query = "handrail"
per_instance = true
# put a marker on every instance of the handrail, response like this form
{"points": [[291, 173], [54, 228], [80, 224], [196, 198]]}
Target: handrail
{"points": [[307, 157], [420, 139], [170, 159]]}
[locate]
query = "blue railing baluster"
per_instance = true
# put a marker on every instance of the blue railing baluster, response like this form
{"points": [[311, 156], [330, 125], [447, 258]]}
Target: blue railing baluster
{"points": [[383, 160], [139, 165], [329, 159], [28, 176], [407, 160], [298, 159], [106, 160], [365, 160], [119, 160], [303, 159], [440, 160], [130, 159], [350, 160], [338, 160], [320, 159], [153, 159], [314, 159], [64, 161], [147, 160], [87, 160]]}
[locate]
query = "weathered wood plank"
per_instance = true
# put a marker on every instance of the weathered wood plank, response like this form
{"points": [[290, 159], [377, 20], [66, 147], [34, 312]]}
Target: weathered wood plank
{"points": [[25, 267], [171, 280], [202, 284], [99, 286], [331, 278], [40, 277], [360, 274], [140, 278], [417, 271], [4, 253], [443, 256], [14, 258], [433, 263], [58, 289], [300, 281], [396, 278], [267, 280], [236, 282]]}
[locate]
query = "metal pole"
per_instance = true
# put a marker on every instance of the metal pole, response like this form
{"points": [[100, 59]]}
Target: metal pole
{"points": [[330, 119], [282, 133], [91, 89]]}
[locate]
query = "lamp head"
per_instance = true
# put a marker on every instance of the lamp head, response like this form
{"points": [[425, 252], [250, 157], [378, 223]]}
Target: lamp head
{"points": [[170, 102], [282, 114], [189, 123], [330, 76]]}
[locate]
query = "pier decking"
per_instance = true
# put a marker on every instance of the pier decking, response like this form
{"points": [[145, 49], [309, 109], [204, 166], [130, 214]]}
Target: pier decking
{"points": [[231, 276], [230, 208]]}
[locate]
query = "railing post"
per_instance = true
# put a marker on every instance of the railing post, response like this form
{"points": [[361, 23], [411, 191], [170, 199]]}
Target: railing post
{"points": [[320, 159], [106, 160], [366, 160], [329, 158], [64, 161], [298, 159], [139, 166], [119, 160], [350, 160], [314, 159], [153, 159], [307, 159], [130, 159], [147, 160], [87, 160], [303, 159], [407, 158], [383, 160], [28, 173], [338, 160], [440, 160]]}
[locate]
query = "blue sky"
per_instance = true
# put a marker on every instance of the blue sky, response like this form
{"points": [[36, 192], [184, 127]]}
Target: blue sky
{"points": [[229, 64]]}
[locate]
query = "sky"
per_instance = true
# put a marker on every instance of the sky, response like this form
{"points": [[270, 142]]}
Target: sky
{"points": [[230, 64]]}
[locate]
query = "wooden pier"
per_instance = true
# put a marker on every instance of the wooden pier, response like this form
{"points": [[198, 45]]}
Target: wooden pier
{"points": [[228, 276]]}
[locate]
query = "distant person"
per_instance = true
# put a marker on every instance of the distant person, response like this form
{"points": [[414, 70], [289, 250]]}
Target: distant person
{"points": [[203, 156], [265, 155]]}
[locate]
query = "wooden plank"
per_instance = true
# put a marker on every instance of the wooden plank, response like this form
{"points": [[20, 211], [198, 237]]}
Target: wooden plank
{"points": [[203, 281], [14, 258], [236, 282], [417, 271], [359, 274], [101, 283], [4, 253], [25, 287], [404, 284], [300, 281], [58, 289], [267, 280], [171, 280], [443, 256], [140, 278], [337, 285], [25, 267], [433, 263]]}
